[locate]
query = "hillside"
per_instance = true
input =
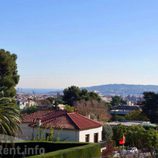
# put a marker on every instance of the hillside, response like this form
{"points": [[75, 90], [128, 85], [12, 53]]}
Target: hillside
{"points": [[109, 89], [123, 89]]}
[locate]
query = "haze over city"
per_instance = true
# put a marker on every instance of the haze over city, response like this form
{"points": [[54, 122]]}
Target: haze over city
{"points": [[83, 43]]}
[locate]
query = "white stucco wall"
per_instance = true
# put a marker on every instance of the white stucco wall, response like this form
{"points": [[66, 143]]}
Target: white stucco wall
{"points": [[91, 132], [26, 132], [62, 134], [69, 135]]}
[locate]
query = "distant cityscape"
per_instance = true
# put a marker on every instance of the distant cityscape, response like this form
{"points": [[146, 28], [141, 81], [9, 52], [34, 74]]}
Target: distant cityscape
{"points": [[78, 79], [108, 90]]}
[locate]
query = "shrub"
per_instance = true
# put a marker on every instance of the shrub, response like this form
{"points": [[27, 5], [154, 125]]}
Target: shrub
{"points": [[136, 116], [118, 118], [53, 150], [86, 151], [107, 132]]}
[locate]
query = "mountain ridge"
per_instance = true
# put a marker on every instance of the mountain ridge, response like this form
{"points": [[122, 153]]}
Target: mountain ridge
{"points": [[104, 89], [123, 89]]}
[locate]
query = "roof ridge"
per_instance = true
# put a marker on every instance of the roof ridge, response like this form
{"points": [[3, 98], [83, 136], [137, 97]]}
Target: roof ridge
{"points": [[67, 114], [78, 125], [88, 118], [72, 120], [53, 115]]}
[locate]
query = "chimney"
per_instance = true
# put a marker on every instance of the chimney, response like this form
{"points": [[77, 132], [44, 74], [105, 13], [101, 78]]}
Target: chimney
{"points": [[89, 116], [39, 123]]}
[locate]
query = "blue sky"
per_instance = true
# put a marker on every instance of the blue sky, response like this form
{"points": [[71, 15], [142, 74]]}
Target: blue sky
{"points": [[87, 42]]}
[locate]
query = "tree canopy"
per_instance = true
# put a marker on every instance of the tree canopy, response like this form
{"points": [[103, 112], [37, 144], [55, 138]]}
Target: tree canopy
{"points": [[86, 103], [73, 94], [136, 115], [137, 136], [9, 113], [150, 106], [107, 133], [117, 100], [9, 117], [8, 74]]}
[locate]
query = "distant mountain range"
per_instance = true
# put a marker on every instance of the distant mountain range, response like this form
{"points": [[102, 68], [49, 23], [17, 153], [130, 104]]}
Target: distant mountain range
{"points": [[109, 89], [123, 89]]}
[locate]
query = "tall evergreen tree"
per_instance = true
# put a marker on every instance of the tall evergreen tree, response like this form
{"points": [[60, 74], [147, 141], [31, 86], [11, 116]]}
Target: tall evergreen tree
{"points": [[73, 94], [9, 113], [8, 74], [150, 107]]}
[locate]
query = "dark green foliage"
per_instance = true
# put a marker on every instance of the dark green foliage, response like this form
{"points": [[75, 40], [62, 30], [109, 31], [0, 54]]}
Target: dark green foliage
{"points": [[51, 135], [107, 133], [69, 108], [136, 116], [117, 100], [59, 150], [29, 110], [8, 101], [9, 117], [58, 100], [9, 113], [73, 94], [8, 74], [118, 132], [136, 136], [150, 107], [86, 151], [118, 118]]}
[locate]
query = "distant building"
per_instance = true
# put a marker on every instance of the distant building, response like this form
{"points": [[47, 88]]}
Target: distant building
{"points": [[67, 126], [132, 123], [124, 109], [107, 99], [61, 106], [25, 103]]}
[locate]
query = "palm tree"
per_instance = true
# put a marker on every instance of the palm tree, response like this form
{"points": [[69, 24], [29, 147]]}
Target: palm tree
{"points": [[9, 117]]}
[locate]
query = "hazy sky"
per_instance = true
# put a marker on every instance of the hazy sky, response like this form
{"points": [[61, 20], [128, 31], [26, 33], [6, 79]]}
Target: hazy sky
{"points": [[81, 42]]}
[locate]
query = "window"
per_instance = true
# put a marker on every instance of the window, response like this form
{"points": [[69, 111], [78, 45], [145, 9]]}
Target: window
{"points": [[95, 137], [87, 137]]}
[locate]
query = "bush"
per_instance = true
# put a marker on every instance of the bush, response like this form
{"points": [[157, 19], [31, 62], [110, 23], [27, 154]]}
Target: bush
{"points": [[137, 136], [52, 150], [136, 116], [86, 151], [107, 133], [118, 118], [69, 108], [29, 110]]}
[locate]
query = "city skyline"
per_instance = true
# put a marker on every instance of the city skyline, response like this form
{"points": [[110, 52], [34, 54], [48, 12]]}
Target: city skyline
{"points": [[84, 43]]}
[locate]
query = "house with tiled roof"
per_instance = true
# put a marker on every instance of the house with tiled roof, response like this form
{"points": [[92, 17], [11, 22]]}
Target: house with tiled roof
{"points": [[66, 126]]}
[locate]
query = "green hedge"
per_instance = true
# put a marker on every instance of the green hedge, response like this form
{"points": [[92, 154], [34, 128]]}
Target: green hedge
{"points": [[49, 146], [51, 150], [85, 151]]}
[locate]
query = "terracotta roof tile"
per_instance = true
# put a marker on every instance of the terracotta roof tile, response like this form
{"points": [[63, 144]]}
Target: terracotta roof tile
{"points": [[60, 119], [61, 122], [30, 118], [83, 122]]}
